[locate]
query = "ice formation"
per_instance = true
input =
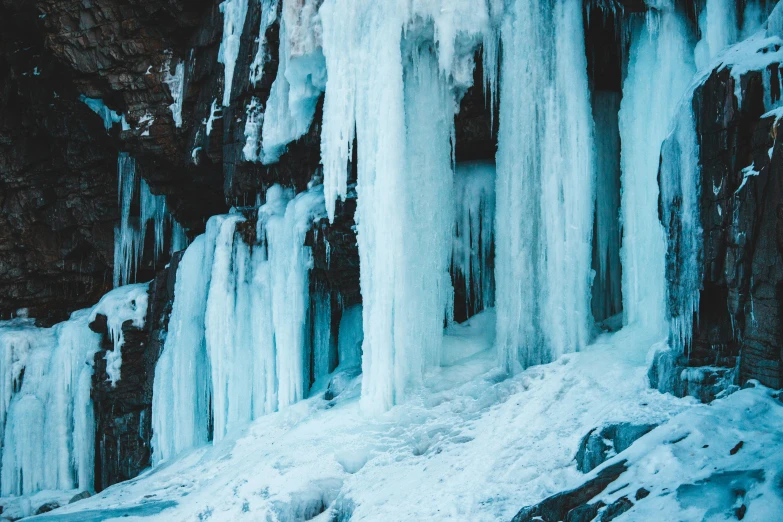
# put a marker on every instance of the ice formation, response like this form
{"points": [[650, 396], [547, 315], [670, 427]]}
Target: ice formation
{"points": [[130, 233], [47, 424], [176, 84], [718, 27], [660, 69], [268, 17], [234, 14], [108, 116], [300, 80], [474, 234], [238, 346], [545, 187]]}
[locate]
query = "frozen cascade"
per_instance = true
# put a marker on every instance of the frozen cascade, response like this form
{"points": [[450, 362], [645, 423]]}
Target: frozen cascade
{"points": [[405, 189], [545, 188], [234, 14], [47, 424], [474, 234], [607, 294], [659, 71], [237, 341], [680, 183], [180, 396], [324, 354]]}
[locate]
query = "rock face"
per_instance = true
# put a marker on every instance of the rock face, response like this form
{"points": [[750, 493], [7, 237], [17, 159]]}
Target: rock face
{"points": [[607, 441], [738, 331], [123, 413]]}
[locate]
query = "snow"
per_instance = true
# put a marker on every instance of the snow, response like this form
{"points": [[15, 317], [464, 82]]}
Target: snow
{"points": [[253, 124], [545, 187], [659, 72], [126, 303], [468, 445], [215, 113], [46, 418], [234, 14], [747, 172]]}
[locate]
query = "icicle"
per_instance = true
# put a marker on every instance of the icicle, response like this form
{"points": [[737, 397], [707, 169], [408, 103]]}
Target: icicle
{"points": [[659, 71], [350, 337], [234, 13], [153, 208], [127, 243], [545, 186], [471, 257]]}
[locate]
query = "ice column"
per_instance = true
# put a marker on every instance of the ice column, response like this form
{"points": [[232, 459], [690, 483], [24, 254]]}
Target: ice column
{"points": [[474, 234], [718, 27], [659, 70], [545, 186], [181, 389]]}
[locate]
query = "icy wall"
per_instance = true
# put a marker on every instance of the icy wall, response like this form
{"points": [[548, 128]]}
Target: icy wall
{"points": [[392, 167]]}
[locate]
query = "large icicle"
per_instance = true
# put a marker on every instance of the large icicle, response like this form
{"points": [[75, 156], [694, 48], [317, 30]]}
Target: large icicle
{"points": [[127, 242], [659, 71], [718, 26], [544, 186], [234, 14]]}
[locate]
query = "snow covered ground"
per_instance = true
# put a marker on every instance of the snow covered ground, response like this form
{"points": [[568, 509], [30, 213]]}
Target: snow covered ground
{"points": [[470, 446]]}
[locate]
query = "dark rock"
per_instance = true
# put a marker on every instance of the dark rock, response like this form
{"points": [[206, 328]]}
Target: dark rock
{"points": [[49, 506], [602, 443], [558, 506], [124, 412], [672, 372], [79, 496], [735, 449], [642, 493], [740, 307], [615, 509]]}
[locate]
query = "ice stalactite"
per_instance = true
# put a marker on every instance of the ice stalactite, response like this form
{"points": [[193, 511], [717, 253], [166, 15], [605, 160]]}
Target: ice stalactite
{"points": [[545, 188], [47, 424], [474, 235], [130, 233], [680, 183], [659, 71], [607, 294], [238, 345], [300, 80], [234, 14]]}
